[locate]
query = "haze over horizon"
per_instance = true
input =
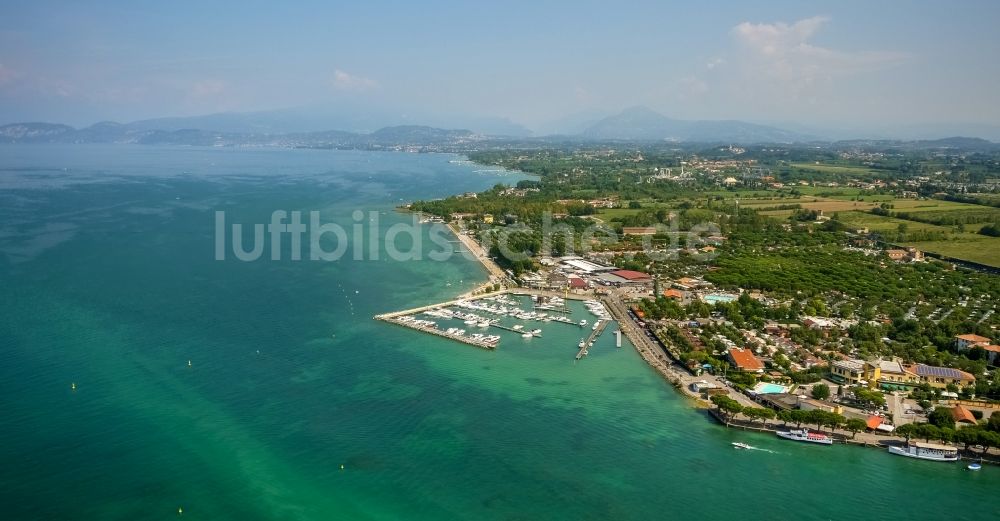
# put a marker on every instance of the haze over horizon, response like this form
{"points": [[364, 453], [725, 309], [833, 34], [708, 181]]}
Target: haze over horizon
{"points": [[849, 66]]}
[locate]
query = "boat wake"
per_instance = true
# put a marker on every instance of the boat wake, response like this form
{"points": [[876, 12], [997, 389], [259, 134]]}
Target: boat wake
{"points": [[744, 446]]}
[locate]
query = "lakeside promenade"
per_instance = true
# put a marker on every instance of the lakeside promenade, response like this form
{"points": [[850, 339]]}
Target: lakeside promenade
{"points": [[659, 360]]}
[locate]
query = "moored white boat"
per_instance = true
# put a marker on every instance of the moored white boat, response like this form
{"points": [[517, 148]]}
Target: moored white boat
{"points": [[806, 436], [927, 451]]}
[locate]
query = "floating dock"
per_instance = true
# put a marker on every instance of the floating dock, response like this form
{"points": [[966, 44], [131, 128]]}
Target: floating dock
{"points": [[564, 309], [518, 331], [601, 324], [400, 318], [393, 318]]}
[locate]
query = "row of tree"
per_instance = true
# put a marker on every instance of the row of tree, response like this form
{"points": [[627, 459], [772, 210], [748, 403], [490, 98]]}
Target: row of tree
{"points": [[731, 409], [985, 435]]}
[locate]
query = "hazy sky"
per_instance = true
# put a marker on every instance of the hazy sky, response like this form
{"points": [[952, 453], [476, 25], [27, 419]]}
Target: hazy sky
{"points": [[842, 63]]}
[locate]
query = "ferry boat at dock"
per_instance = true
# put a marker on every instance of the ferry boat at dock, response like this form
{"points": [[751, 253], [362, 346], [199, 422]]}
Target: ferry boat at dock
{"points": [[927, 451], [806, 436]]}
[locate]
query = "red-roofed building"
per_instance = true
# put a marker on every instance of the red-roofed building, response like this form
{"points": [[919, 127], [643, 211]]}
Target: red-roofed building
{"points": [[744, 360], [963, 415], [873, 422], [576, 283], [967, 341], [632, 276], [674, 294], [970, 341]]}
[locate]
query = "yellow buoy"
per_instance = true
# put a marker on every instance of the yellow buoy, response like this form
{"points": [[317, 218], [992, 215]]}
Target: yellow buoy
{"points": [[189, 363], [341, 466], [72, 386], [180, 511]]}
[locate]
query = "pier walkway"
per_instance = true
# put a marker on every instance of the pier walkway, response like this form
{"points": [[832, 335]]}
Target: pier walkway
{"points": [[601, 324], [434, 331], [421, 309]]}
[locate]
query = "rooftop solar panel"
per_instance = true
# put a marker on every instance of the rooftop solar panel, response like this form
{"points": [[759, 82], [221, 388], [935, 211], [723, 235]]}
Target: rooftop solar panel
{"points": [[945, 372]]}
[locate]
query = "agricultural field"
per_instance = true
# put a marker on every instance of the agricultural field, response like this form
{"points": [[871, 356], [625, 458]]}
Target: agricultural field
{"points": [[967, 246], [608, 214], [879, 223], [954, 223], [835, 192], [828, 168]]}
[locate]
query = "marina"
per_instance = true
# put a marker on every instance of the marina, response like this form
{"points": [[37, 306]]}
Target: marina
{"points": [[485, 312], [427, 326]]}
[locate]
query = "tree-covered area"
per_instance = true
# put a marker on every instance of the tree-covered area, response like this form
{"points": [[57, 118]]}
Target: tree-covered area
{"points": [[799, 262]]}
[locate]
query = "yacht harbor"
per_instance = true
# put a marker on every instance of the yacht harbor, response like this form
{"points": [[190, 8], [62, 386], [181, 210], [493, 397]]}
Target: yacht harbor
{"points": [[470, 320]]}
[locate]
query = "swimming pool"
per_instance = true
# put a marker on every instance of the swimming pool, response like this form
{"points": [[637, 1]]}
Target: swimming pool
{"points": [[769, 388], [714, 298]]}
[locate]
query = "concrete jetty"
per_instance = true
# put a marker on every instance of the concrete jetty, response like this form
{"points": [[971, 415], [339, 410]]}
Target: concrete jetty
{"points": [[434, 331], [601, 324]]}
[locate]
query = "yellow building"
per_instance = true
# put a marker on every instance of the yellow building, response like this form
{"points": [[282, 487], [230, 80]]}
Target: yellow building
{"points": [[848, 372], [488, 218], [941, 377], [893, 374]]}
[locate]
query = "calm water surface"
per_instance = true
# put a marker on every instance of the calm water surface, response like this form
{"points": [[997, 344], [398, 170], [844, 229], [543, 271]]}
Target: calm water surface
{"points": [[109, 282]]}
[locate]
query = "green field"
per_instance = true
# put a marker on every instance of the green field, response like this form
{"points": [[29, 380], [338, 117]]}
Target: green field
{"points": [[834, 169], [976, 248], [873, 222], [966, 245], [613, 213]]}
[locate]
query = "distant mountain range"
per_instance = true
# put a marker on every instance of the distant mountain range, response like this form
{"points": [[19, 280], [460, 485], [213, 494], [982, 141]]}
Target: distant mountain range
{"points": [[643, 124], [358, 118], [110, 132], [305, 128]]}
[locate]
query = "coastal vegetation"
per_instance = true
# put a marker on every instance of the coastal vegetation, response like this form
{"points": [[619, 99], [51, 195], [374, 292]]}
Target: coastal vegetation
{"points": [[802, 230]]}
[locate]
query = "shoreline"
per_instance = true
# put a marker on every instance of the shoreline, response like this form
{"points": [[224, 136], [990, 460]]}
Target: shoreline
{"points": [[495, 273], [659, 360]]}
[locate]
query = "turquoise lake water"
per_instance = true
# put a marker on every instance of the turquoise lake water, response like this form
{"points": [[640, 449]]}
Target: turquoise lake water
{"points": [[109, 282]]}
